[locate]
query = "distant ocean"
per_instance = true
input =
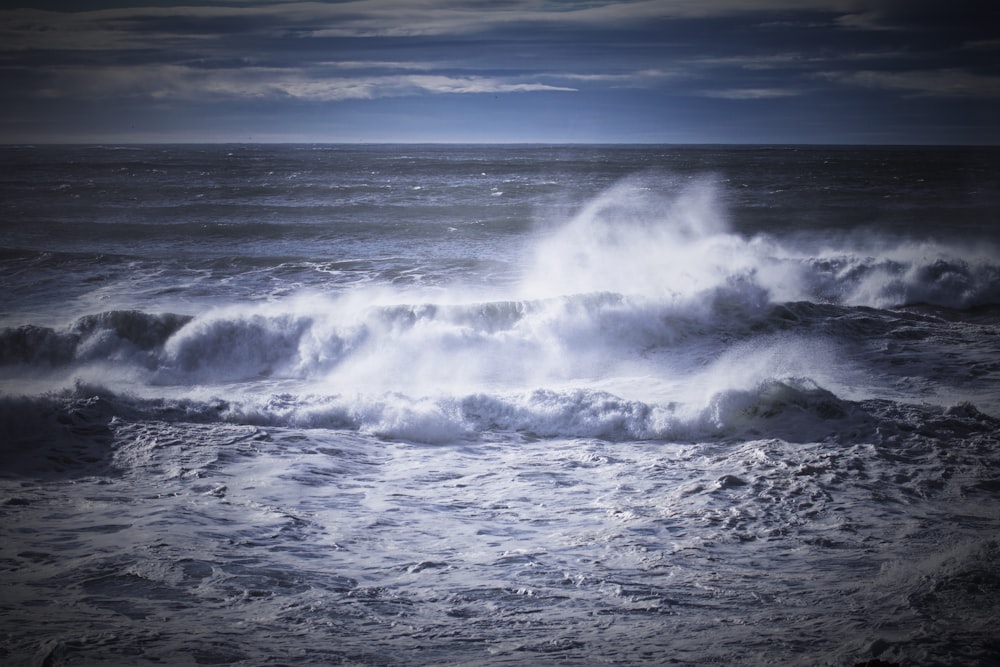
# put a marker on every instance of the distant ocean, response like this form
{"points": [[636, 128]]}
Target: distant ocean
{"points": [[499, 405]]}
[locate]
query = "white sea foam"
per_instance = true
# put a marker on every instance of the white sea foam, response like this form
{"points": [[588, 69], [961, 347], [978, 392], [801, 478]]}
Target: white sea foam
{"points": [[643, 294], [638, 238], [637, 435], [659, 238]]}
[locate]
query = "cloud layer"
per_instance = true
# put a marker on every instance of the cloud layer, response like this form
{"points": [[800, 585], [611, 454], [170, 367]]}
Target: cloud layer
{"points": [[652, 63]]}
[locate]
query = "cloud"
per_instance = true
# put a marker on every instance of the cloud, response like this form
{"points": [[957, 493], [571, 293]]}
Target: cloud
{"points": [[136, 28], [377, 64], [655, 60], [750, 93], [144, 27], [657, 9], [924, 83], [637, 78], [761, 62], [983, 44], [175, 82], [954, 16], [474, 84], [410, 18]]}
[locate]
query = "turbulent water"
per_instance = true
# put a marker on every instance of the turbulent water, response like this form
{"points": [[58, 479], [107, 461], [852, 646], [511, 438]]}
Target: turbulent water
{"points": [[407, 405]]}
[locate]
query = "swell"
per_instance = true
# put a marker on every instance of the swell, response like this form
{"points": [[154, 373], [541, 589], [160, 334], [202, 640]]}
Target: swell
{"points": [[109, 336], [364, 334], [907, 275], [313, 335], [72, 432]]}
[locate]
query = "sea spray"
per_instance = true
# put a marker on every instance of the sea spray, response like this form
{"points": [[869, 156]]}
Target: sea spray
{"points": [[644, 293], [642, 236], [293, 409]]}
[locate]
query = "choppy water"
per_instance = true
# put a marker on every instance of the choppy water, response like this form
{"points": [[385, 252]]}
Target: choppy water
{"points": [[499, 405]]}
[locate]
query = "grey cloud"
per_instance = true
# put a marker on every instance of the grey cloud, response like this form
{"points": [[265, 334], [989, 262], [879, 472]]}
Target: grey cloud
{"points": [[175, 82], [983, 44], [750, 93], [141, 27], [378, 64], [642, 77], [637, 60], [929, 83]]}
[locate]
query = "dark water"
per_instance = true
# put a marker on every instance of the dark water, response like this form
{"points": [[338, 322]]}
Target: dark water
{"points": [[499, 405]]}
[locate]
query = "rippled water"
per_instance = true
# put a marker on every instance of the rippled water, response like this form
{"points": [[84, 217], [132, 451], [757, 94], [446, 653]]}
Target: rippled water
{"points": [[499, 405]]}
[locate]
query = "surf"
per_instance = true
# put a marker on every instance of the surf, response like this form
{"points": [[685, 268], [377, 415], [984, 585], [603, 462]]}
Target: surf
{"points": [[631, 318]]}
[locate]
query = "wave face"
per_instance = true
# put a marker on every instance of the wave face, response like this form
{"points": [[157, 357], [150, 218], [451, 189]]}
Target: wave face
{"points": [[593, 365], [644, 299], [470, 405]]}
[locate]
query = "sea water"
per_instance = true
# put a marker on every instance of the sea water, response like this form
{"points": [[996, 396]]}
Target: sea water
{"points": [[406, 405]]}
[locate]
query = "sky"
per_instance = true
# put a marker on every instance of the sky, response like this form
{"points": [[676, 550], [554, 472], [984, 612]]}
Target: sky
{"points": [[536, 71]]}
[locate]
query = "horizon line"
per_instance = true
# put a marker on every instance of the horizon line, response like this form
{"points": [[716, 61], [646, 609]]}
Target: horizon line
{"points": [[9, 144]]}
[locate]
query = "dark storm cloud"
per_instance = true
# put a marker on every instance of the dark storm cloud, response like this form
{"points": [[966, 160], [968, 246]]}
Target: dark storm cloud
{"points": [[171, 67]]}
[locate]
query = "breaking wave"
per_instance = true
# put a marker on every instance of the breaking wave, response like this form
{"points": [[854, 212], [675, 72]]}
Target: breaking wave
{"points": [[642, 317], [793, 410]]}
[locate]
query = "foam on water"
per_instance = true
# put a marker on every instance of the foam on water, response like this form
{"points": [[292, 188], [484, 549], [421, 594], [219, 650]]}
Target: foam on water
{"points": [[656, 237], [655, 439], [324, 546], [633, 318]]}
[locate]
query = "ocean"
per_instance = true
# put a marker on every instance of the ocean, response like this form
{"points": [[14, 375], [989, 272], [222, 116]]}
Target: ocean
{"points": [[499, 405]]}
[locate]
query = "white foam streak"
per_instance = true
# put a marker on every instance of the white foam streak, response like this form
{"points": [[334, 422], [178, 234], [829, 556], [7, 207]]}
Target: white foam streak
{"points": [[956, 277], [643, 316]]}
